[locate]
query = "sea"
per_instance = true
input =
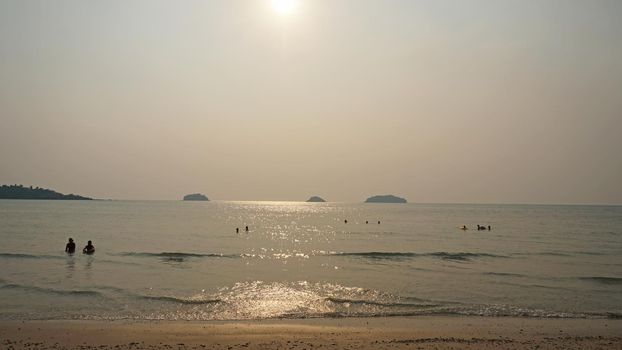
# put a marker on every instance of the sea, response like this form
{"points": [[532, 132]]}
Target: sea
{"points": [[175, 260]]}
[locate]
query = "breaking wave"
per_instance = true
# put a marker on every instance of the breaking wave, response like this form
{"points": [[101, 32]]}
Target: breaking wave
{"points": [[28, 256], [459, 256], [603, 280], [51, 290], [378, 303], [186, 301], [508, 274], [179, 255]]}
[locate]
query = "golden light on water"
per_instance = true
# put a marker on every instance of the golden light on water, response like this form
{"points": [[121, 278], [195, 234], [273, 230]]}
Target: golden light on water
{"points": [[284, 7]]}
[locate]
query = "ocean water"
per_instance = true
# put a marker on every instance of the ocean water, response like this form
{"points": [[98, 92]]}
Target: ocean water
{"points": [[184, 261]]}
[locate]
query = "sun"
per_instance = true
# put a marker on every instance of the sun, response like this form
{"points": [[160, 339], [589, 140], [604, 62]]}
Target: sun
{"points": [[284, 7]]}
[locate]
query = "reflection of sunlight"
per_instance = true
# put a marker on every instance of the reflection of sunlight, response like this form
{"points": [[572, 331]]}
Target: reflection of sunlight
{"points": [[303, 299], [284, 7], [259, 300]]}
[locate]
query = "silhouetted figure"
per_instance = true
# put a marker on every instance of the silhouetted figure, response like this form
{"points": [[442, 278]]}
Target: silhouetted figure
{"points": [[366, 222], [464, 228], [378, 222], [345, 221], [246, 228], [89, 249], [237, 230], [488, 227], [70, 248]]}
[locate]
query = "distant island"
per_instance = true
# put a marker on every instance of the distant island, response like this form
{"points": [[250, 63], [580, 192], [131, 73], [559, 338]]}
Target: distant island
{"points": [[316, 199], [21, 192], [387, 198], [195, 197]]}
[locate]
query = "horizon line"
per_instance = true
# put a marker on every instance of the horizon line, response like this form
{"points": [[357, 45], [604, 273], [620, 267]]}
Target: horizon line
{"points": [[361, 202]]}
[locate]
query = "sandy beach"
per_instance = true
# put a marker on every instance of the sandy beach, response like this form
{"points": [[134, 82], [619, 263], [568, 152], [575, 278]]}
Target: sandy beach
{"points": [[353, 333]]}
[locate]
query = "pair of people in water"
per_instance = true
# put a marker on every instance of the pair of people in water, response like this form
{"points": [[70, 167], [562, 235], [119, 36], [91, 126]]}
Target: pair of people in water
{"points": [[71, 247], [479, 227], [237, 229]]}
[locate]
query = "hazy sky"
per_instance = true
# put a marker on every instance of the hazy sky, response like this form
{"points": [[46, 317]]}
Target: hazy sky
{"points": [[437, 101]]}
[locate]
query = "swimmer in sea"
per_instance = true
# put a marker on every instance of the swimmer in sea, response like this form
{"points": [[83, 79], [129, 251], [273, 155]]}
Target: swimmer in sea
{"points": [[70, 248], [89, 249]]}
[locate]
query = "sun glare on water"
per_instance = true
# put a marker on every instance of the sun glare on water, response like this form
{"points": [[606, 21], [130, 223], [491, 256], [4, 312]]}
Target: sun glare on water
{"points": [[284, 7]]}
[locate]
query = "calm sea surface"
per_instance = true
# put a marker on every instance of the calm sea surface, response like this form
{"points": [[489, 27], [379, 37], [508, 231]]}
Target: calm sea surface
{"points": [[184, 260]]}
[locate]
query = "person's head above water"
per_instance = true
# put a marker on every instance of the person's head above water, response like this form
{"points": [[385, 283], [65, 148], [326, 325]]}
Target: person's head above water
{"points": [[70, 239], [89, 248]]}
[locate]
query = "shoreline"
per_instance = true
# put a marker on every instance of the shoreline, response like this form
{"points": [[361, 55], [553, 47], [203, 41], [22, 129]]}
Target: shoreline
{"points": [[420, 332]]}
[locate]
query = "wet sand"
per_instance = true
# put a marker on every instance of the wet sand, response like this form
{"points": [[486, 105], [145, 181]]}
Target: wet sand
{"points": [[433, 332]]}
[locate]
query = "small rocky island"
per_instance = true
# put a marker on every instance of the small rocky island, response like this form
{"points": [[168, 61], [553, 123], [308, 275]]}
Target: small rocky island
{"points": [[316, 199], [387, 198], [195, 197], [21, 192]]}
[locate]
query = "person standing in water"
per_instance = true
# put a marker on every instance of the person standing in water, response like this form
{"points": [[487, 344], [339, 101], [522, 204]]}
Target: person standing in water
{"points": [[89, 249], [70, 248]]}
